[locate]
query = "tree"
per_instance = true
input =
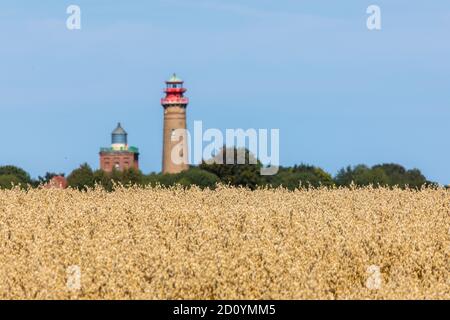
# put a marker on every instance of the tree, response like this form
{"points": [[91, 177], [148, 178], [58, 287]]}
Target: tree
{"points": [[198, 177], [398, 175], [8, 180], [22, 176], [361, 175], [226, 166], [103, 179], [348, 175], [374, 176], [81, 178], [389, 174], [300, 175], [152, 179], [416, 179], [193, 176], [131, 177]]}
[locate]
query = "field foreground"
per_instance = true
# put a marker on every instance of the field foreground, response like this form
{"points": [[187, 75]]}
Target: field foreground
{"points": [[225, 244]]}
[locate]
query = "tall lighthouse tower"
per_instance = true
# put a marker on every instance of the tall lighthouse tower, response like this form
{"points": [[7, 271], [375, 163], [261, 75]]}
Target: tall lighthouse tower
{"points": [[175, 148]]}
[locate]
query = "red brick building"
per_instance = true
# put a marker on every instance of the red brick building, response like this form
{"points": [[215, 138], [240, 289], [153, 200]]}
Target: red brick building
{"points": [[57, 182], [119, 156]]}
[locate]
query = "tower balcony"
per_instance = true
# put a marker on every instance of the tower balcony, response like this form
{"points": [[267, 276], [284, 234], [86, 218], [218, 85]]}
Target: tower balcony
{"points": [[178, 90], [174, 101]]}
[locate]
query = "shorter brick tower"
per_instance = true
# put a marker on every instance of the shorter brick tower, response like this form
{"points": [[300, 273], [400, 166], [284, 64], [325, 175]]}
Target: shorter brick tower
{"points": [[119, 156]]}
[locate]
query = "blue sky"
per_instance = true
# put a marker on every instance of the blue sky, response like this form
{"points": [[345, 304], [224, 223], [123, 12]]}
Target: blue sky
{"points": [[339, 93]]}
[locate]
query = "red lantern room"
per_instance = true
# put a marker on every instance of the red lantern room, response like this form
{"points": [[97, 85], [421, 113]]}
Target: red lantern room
{"points": [[174, 93]]}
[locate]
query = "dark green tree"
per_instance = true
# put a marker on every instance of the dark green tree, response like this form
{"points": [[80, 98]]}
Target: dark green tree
{"points": [[300, 175], [390, 174], [198, 177], [151, 179], [373, 176], [415, 179], [350, 174], [398, 175], [81, 178], [131, 177], [21, 175], [103, 179], [193, 176], [8, 180], [361, 175], [226, 165]]}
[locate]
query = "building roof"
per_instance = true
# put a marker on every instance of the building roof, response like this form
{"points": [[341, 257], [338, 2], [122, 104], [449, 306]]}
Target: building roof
{"points": [[174, 79], [119, 130], [58, 182]]}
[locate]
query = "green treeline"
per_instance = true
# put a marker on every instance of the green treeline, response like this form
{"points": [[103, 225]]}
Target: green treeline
{"points": [[208, 174]]}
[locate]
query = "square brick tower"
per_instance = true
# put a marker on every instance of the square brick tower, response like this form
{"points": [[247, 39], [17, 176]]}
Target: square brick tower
{"points": [[119, 156]]}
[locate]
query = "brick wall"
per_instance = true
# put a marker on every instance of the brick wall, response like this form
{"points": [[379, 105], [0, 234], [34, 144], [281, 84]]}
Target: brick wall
{"points": [[119, 160]]}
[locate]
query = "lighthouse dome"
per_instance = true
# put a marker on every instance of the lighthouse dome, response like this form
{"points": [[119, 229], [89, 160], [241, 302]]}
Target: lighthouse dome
{"points": [[174, 79], [119, 138]]}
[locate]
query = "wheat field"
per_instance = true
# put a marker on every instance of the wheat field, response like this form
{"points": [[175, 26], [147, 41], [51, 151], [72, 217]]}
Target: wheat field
{"points": [[228, 243]]}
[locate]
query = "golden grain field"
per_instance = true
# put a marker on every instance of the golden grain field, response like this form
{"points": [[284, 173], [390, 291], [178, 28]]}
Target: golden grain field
{"points": [[226, 243]]}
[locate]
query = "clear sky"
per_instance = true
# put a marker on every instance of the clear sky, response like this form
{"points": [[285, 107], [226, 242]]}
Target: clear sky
{"points": [[339, 93]]}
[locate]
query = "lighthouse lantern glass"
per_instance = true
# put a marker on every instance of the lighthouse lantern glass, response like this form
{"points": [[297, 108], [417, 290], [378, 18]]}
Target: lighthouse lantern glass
{"points": [[174, 85]]}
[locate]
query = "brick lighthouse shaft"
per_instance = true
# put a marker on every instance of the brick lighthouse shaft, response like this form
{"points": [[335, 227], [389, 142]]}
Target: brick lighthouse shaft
{"points": [[175, 148]]}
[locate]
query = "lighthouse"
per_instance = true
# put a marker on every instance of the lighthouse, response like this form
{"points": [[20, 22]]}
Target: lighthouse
{"points": [[175, 148]]}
